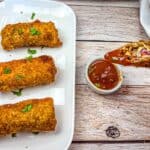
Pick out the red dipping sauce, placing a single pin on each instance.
(103, 74)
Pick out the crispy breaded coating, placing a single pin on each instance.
(32, 115)
(19, 74)
(30, 34)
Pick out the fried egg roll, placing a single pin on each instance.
(35, 33)
(19, 74)
(34, 115)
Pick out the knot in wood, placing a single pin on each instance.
(112, 132)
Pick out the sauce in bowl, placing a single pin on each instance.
(103, 74)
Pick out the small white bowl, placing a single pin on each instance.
(103, 91)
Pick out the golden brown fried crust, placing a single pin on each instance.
(26, 73)
(21, 35)
(41, 117)
(131, 54)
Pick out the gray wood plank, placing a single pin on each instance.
(108, 23)
(99, 146)
(90, 50)
(128, 110)
(118, 3)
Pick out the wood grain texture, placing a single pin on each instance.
(101, 27)
(128, 110)
(90, 50)
(115, 3)
(108, 23)
(99, 146)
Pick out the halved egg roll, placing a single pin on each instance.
(34, 115)
(35, 33)
(22, 73)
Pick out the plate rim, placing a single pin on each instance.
(67, 145)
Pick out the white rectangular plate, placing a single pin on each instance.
(62, 90)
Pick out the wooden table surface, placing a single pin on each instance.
(101, 27)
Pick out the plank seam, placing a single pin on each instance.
(137, 7)
(102, 41)
(126, 85)
(113, 142)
